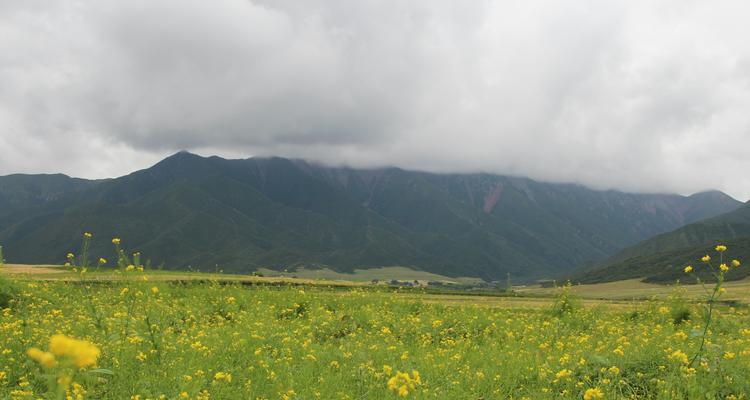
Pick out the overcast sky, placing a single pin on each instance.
(632, 95)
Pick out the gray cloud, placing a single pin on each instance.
(634, 95)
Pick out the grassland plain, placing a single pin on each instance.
(137, 337)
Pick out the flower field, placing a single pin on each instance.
(135, 338)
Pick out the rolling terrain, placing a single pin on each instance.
(663, 257)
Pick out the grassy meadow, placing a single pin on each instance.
(124, 332)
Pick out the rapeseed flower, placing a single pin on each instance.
(80, 352)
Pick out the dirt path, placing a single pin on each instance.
(30, 269)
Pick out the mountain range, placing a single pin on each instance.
(189, 211)
(662, 258)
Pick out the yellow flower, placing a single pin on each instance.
(723, 267)
(87, 235)
(80, 352)
(735, 263)
(46, 359)
(721, 248)
(688, 269)
(222, 376)
(679, 356)
(115, 241)
(154, 290)
(706, 258)
(402, 382)
(593, 393)
(102, 261)
(564, 373)
(70, 255)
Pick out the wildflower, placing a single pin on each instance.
(155, 290)
(723, 267)
(80, 352)
(735, 263)
(679, 356)
(70, 256)
(688, 269)
(222, 377)
(116, 241)
(46, 359)
(102, 261)
(593, 393)
(402, 382)
(706, 258)
(130, 267)
(564, 373)
(87, 235)
(721, 248)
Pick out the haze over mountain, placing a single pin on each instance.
(663, 257)
(189, 211)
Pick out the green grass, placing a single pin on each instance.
(314, 342)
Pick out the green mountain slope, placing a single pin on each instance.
(19, 191)
(237, 215)
(662, 258)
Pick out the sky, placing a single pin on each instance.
(646, 96)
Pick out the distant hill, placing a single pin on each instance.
(19, 191)
(662, 258)
(189, 211)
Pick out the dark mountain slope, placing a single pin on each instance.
(237, 215)
(662, 258)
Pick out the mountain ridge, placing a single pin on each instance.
(189, 211)
(662, 257)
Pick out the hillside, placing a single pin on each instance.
(22, 191)
(662, 258)
(238, 215)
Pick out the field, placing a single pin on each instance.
(127, 333)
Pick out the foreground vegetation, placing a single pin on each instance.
(139, 338)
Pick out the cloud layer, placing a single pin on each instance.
(633, 95)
